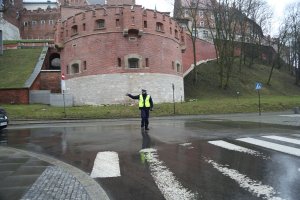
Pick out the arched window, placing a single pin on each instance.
(178, 67)
(133, 63)
(159, 27)
(74, 68)
(54, 60)
(147, 62)
(119, 62)
(100, 24)
(176, 34)
(84, 65)
(74, 30)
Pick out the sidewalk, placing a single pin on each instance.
(30, 176)
(26, 175)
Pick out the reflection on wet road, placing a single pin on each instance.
(176, 159)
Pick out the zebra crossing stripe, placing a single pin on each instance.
(273, 146)
(284, 139)
(253, 186)
(233, 147)
(106, 165)
(165, 179)
(293, 115)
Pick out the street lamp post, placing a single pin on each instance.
(173, 87)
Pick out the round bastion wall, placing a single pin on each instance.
(132, 49)
(111, 88)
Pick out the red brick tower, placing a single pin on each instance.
(110, 50)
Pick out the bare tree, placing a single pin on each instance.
(244, 7)
(293, 21)
(224, 31)
(281, 42)
(187, 13)
(260, 16)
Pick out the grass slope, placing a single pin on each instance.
(207, 86)
(16, 66)
(283, 94)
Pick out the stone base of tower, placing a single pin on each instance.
(112, 88)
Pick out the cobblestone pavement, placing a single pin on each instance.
(56, 183)
(30, 176)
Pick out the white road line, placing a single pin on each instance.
(188, 145)
(253, 186)
(293, 115)
(233, 147)
(106, 165)
(185, 144)
(270, 145)
(297, 135)
(165, 179)
(284, 139)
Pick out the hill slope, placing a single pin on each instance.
(207, 86)
(16, 66)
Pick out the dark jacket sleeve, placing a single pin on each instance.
(134, 97)
(151, 102)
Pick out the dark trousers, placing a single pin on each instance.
(145, 117)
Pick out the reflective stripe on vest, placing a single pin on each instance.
(147, 101)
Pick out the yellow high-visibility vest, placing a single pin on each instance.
(147, 101)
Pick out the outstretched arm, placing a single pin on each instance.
(133, 96)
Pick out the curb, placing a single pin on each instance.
(94, 190)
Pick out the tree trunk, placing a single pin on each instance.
(195, 76)
(271, 72)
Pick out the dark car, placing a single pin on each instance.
(3, 119)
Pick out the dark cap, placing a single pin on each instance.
(143, 90)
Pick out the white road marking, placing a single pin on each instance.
(253, 186)
(284, 139)
(273, 146)
(294, 115)
(185, 144)
(165, 179)
(188, 145)
(233, 147)
(297, 135)
(106, 165)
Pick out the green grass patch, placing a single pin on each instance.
(16, 66)
(207, 86)
(25, 41)
(197, 107)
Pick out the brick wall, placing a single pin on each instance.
(204, 51)
(14, 96)
(100, 49)
(50, 80)
(38, 24)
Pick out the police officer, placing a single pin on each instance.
(145, 104)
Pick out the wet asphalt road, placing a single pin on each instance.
(178, 160)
